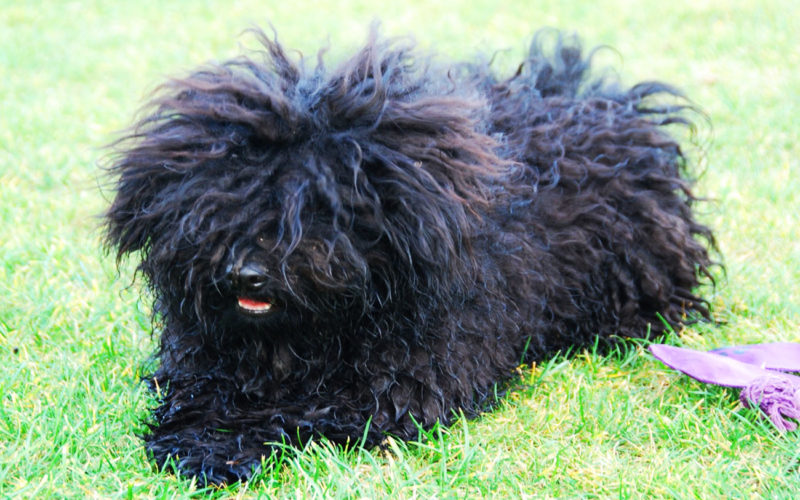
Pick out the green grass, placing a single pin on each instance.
(74, 336)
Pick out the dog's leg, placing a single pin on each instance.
(209, 429)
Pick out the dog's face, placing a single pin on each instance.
(256, 240)
(259, 194)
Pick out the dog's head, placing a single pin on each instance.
(274, 192)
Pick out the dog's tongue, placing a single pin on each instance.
(254, 305)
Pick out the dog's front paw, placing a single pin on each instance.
(213, 457)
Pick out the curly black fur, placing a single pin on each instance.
(405, 234)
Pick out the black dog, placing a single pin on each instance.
(344, 252)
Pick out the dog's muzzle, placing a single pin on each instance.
(249, 282)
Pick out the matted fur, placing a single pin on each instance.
(418, 230)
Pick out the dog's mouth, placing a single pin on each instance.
(254, 307)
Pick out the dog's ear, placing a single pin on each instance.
(221, 116)
(136, 214)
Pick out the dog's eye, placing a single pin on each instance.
(261, 241)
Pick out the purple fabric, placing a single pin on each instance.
(776, 393)
(712, 368)
(777, 397)
(783, 356)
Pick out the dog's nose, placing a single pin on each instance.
(249, 277)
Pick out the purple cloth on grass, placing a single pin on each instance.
(775, 356)
(775, 392)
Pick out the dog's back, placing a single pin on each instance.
(603, 198)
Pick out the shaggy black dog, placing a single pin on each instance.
(346, 252)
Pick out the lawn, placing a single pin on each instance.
(75, 335)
